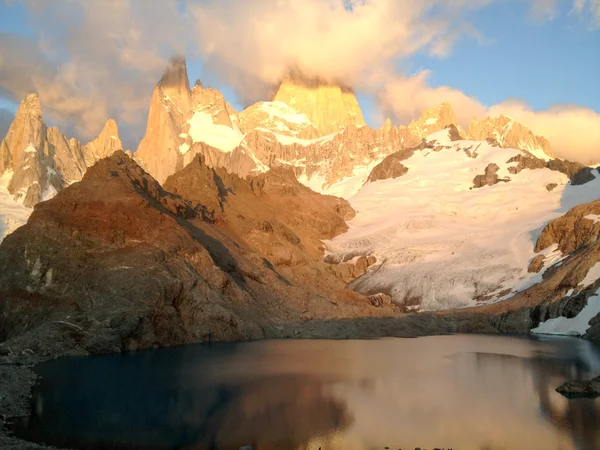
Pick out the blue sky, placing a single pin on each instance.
(539, 62)
(553, 62)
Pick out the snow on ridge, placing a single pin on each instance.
(30, 149)
(439, 239)
(291, 140)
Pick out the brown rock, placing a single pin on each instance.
(551, 186)
(577, 173)
(536, 264)
(580, 388)
(489, 178)
(571, 230)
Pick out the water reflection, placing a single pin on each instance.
(463, 392)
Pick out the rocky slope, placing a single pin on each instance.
(116, 262)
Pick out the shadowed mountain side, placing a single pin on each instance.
(272, 213)
(116, 262)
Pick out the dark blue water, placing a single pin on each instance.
(459, 392)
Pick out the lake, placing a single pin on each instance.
(460, 392)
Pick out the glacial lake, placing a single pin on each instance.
(461, 392)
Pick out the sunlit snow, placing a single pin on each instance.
(438, 239)
(285, 112)
(222, 137)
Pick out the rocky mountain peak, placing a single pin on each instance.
(41, 160)
(175, 75)
(31, 105)
(104, 145)
(435, 119)
(330, 107)
(511, 134)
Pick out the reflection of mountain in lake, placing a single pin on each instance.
(494, 393)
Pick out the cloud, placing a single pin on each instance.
(263, 39)
(404, 98)
(91, 60)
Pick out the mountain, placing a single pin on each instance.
(451, 221)
(135, 266)
(510, 134)
(183, 122)
(329, 107)
(37, 161)
(314, 128)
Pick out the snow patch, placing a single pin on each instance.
(183, 148)
(222, 137)
(593, 217)
(285, 112)
(575, 326)
(592, 275)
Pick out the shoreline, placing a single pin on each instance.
(18, 377)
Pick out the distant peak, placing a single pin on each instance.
(175, 75)
(330, 107)
(31, 105)
(110, 127)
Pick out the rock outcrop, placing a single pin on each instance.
(489, 178)
(579, 226)
(577, 172)
(580, 388)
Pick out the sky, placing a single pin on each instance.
(535, 60)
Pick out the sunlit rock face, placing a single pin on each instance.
(329, 107)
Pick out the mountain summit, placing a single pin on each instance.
(329, 107)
